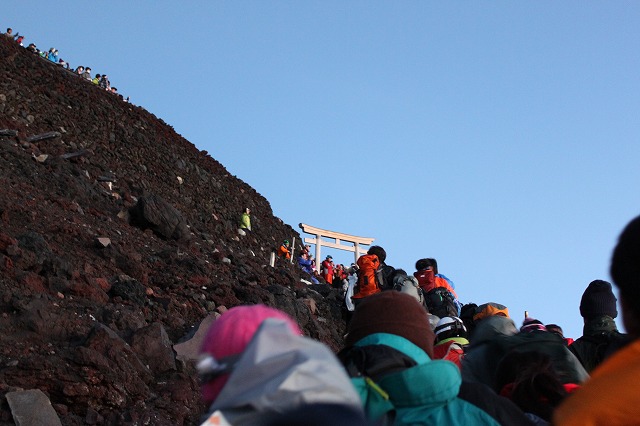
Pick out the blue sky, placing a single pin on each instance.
(501, 138)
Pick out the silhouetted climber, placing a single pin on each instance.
(600, 335)
(611, 397)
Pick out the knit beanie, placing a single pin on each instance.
(531, 324)
(231, 333)
(394, 313)
(598, 299)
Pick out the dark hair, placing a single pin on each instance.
(397, 273)
(434, 264)
(422, 264)
(535, 386)
(625, 266)
(466, 315)
(378, 251)
(555, 328)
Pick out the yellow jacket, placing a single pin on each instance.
(611, 397)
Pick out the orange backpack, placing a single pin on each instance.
(368, 281)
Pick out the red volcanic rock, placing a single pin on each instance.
(82, 317)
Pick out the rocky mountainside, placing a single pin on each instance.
(117, 238)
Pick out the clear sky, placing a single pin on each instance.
(501, 138)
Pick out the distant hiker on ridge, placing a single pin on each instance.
(283, 251)
(245, 220)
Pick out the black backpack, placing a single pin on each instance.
(441, 303)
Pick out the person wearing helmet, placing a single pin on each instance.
(451, 339)
(284, 251)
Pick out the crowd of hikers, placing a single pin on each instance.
(52, 55)
(413, 355)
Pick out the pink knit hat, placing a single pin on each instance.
(231, 333)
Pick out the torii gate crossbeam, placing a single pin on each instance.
(338, 237)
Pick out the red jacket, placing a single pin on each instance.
(451, 349)
(327, 268)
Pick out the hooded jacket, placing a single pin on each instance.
(491, 342)
(600, 338)
(402, 383)
(245, 221)
(279, 372)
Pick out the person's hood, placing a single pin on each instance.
(278, 372)
(490, 327)
(411, 388)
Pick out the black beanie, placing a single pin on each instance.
(598, 299)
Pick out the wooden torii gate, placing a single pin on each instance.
(338, 237)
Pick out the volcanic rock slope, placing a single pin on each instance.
(117, 237)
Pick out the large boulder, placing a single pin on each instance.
(152, 212)
(154, 348)
(32, 407)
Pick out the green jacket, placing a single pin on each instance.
(245, 221)
(425, 394)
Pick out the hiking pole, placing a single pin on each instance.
(293, 247)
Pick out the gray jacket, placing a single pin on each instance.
(279, 372)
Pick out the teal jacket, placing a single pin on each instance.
(425, 394)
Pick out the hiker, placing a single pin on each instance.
(87, 74)
(479, 350)
(53, 55)
(436, 286)
(327, 269)
(610, 397)
(96, 79)
(403, 283)
(490, 309)
(349, 307)
(305, 263)
(530, 381)
(283, 251)
(530, 324)
(496, 335)
(340, 277)
(9, 33)
(256, 364)
(555, 328)
(467, 312)
(386, 270)
(451, 340)
(389, 359)
(245, 220)
(104, 82)
(600, 335)
(79, 70)
(374, 275)
(429, 278)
